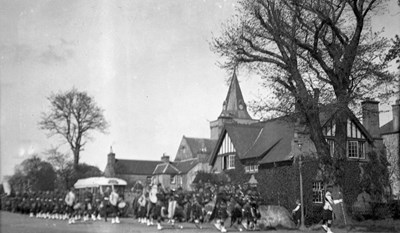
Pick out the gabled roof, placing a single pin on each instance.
(185, 166)
(242, 137)
(270, 141)
(135, 167)
(327, 115)
(200, 145)
(166, 168)
(234, 105)
(273, 142)
(388, 128)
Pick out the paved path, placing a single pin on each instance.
(17, 223)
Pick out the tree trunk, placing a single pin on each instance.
(76, 159)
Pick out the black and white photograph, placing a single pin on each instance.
(140, 116)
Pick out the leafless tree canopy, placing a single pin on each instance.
(311, 53)
(73, 115)
(300, 46)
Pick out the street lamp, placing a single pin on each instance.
(302, 226)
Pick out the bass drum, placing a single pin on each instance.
(153, 194)
(122, 205)
(123, 208)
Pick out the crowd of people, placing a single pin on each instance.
(59, 205)
(151, 205)
(154, 205)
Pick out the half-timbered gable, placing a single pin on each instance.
(232, 145)
(359, 141)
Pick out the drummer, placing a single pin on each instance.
(114, 206)
(70, 200)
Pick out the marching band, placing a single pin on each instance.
(152, 205)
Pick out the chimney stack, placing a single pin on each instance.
(370, 115)
(396, 113)
(165, 158)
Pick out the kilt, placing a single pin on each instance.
(327, 215)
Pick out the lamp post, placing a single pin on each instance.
(302, 226)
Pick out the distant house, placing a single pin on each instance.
(131, 171)
(173, 175)
(390, 133)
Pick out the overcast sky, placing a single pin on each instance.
(146, 63)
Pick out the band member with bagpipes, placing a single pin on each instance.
(142, 206)
(221, 213)
(159, 210)
(197, 210)
(171, 207)
(296, 213)
(327, 214)
(114, 197)
(88, 198)
(235, 211)
(105, 204)
(97, 204)
(70, 199)
(151, 204)
(32, 201)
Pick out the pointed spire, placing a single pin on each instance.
(234, 105)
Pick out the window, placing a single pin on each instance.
(255, 168)
(331, 147)
(251, 169)
(179, 180)
(318, 192)
(224, 161)
(356, 150)
(231, 162)
(176, 180)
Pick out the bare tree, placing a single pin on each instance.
(311, 52)
(73, 115)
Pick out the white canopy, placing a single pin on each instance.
(98, 181)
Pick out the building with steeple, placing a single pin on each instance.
(193, 154)
(234, 110)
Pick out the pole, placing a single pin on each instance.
(302, 226)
